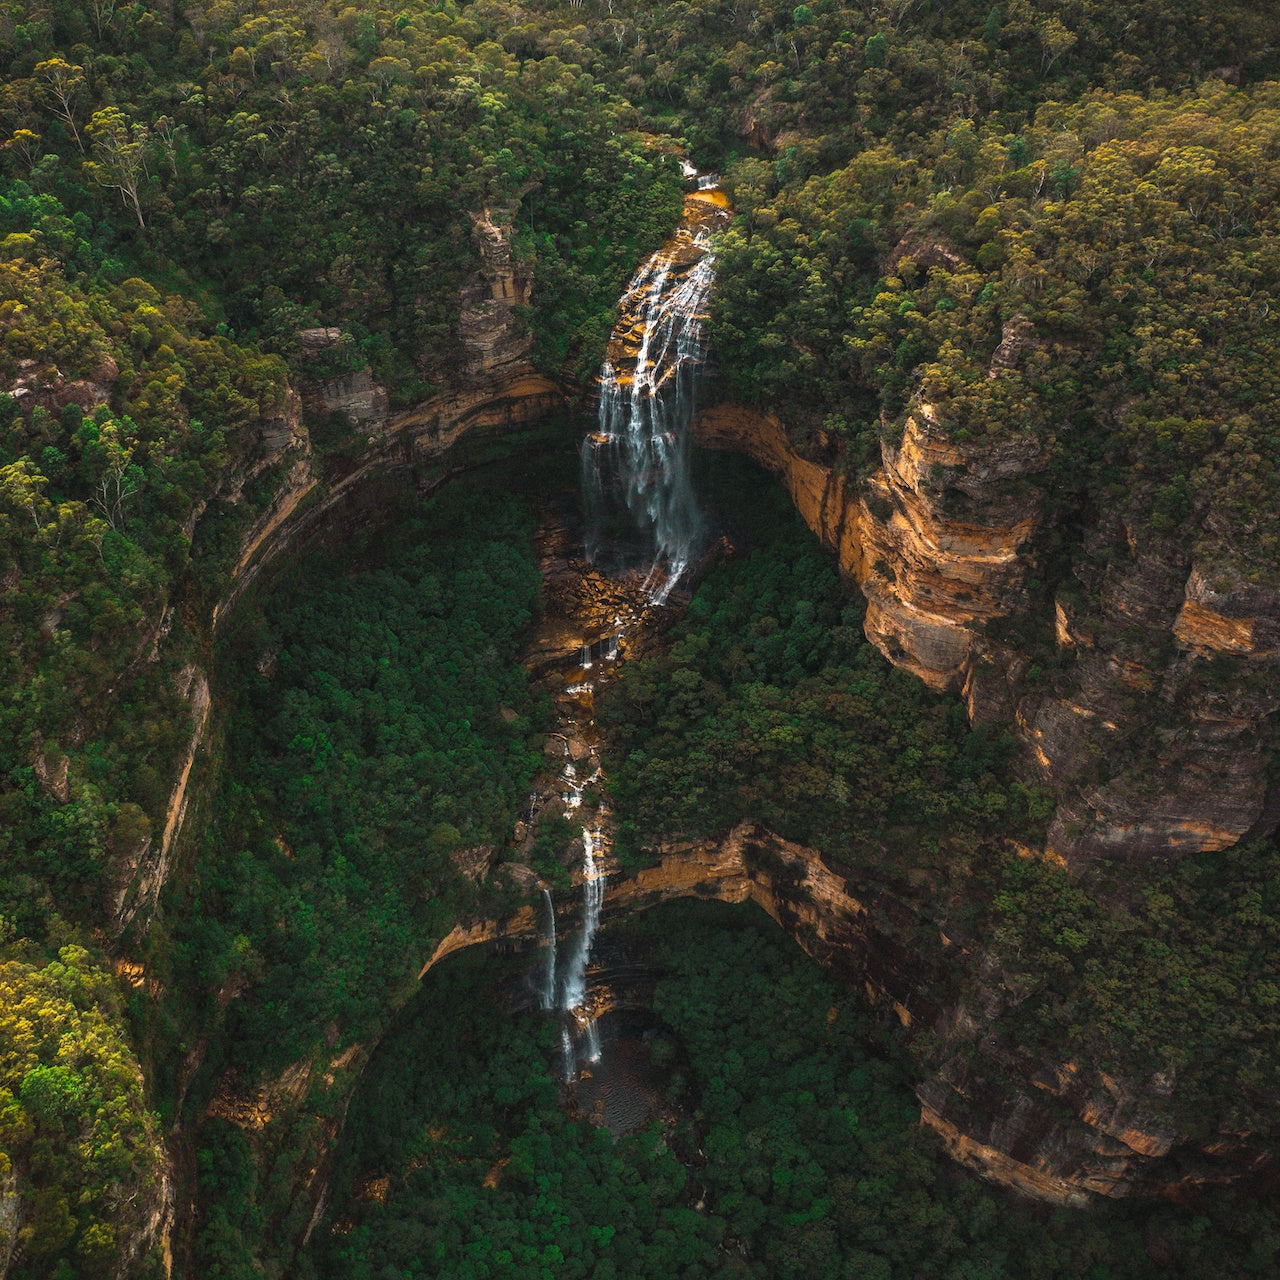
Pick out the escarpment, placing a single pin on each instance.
(943, 524)
(1050, 1128)
(932, 536)
(1056, 1130)
(1158, 734)
(1152, 731)
(500, 390)
(497, 389)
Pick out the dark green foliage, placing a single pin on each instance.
(184, 187)
(96, 502)
(487, 1176)
(770, 706)
(1169, 970)
(370, 751)
(799, 1142)
(306, 165)
(75, 1131)
(553, 837)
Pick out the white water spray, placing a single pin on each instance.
(549, 973)
(638, 456)
(641, 509)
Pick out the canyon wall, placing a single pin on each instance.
(1051, 1129)
(938, 538)
(1151, 715)
(1054, 1130)
(498, 391)
(941, 538)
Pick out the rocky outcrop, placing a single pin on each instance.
(942, 527)
(493, 335)
(304, 500)
(1224, 615)
(1053, 1130)
(823, 497)
(1151, 745)
(10, 1218)
(47, 387)
(1158, 733)
(139, 878)
(932, 537)
(352, 392)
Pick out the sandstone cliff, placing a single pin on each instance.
(1054, 1130)
(1057, 1131)
(493, 335)
(498, 391)
(1153, 732)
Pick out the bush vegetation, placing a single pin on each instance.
(797, 1150)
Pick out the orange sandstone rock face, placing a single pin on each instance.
(939, 538)
(942, 528)
(518, 396)
(1172, 684)
(493, 336)
(1053, 1131)
(822, 497)
(1227, 617)
(1040, 1183)
(933, 538)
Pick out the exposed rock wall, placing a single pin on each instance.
(824, 498)
(140, 878)
(932, 537)
(304, 500)
(493, 335)
(354, 393)
(942, 528)
(10, 1218)
(1157, 734)
(1156, 731)
(1052, 1130)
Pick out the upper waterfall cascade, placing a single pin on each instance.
(637, 458)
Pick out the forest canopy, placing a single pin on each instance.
(920, 188)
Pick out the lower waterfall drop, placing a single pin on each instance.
(574, 998)
(549, 973)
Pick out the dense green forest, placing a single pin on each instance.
(185, 187)
(793, 1148)
(383, 726)
(767, 705)
(182, 190)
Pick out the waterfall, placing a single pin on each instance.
(549, 974)
(567, 992)
(638, 456)
(574, 992)
(575, 979)
(641, 512)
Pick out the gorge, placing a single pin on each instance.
(316, 676)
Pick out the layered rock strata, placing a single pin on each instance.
(932, 537)
(1052, 1130)
(1155, 732)
(488, 320)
